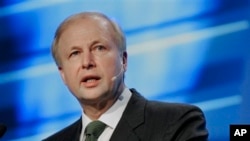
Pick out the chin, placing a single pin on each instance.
(89, 95)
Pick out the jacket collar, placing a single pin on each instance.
(132, 118)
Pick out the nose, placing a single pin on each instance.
(88, 60)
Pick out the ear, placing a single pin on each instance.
(125, 60)
(62, 75)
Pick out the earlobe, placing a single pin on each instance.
(62, 75)
(124, 60)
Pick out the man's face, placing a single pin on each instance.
(90, 59)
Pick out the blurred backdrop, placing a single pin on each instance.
(190, 51)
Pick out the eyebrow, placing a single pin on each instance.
(79, 47)
(94, 42)
(74, 48)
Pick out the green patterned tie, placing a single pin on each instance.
(94, 130)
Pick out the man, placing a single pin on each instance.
(90, 52)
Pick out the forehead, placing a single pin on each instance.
(89, 24)
(86, 28)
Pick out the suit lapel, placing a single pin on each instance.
(132, 119)
(74, 134)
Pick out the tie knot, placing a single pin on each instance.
(94, 129)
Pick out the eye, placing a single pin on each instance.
(99, 50)
(74, 53)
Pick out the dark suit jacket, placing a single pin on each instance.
(145, 120)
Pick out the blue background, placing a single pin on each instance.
(189, 51)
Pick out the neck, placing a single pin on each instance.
(95, 109)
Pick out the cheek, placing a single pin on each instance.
(110, 67)
(70, 73)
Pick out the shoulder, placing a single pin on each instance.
(173, 109)
(176, 121)
(66, 133)
(165, 109)
(180, 121)
(175, 114)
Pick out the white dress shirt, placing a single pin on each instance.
(111, 117)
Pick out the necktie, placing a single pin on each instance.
(94, 130)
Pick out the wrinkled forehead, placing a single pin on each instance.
(88, 24)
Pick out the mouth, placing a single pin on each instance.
(90, 81)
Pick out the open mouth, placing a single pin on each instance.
(90, 81)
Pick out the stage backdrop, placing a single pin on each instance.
(189, 51)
